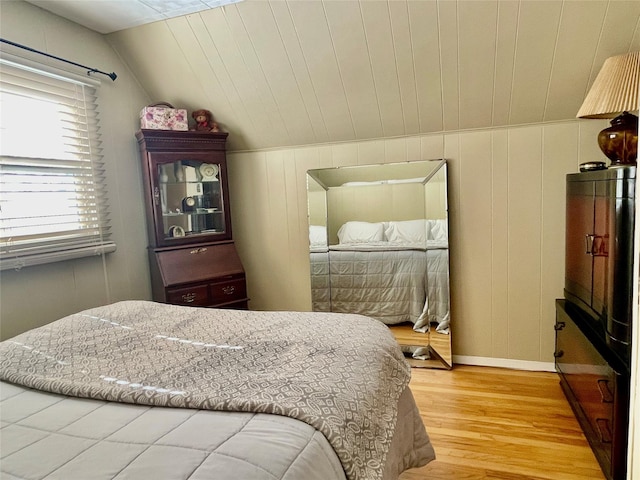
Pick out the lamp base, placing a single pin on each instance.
(619, 142)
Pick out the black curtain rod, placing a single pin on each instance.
(111, 75)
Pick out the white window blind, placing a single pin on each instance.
(53, 203)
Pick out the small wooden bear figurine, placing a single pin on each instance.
(204, 121)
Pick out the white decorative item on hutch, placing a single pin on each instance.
(192, 257)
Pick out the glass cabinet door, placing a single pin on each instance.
(190, 198)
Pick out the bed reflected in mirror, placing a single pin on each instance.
(379, 246)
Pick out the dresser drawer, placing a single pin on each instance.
(232, 290)
(197, 295)
(590, 378)
(597, 393)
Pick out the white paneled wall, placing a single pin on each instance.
(507, 195)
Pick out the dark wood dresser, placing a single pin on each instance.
(594, 323)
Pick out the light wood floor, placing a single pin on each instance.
(492, 423)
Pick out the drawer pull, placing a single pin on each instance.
(597, 245)
(589, 238)
(558, 354)
(559, 326)
(189, 297)
(228, 290)
(198, 250)
(603, 430)
(605, 392)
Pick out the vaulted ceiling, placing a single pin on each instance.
(279, 73)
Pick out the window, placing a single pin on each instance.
(52, 196)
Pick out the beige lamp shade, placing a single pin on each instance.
(615, 89)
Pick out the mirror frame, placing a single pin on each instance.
(433, 349)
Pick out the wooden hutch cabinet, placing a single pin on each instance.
(192, 257)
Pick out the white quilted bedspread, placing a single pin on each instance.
(389, 285)
(50, 436)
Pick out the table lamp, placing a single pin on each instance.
(613, 95)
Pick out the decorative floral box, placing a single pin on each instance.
(164, 117)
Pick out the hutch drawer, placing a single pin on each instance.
(193, 296)
(231, 290)
(198, 263)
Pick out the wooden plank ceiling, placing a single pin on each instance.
(281, 73)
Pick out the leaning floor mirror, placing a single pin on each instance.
(379, 246)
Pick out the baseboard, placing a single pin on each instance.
(504, 363)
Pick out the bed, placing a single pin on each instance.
(145, 390)
(395, 272)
